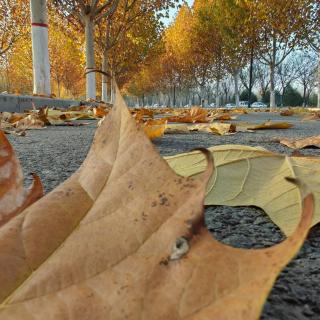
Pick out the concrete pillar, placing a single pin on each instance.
(40, 52)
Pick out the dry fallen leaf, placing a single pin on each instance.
(198, 113)
(123, 238)
(287, 113)
(239, 111)
(222, 128)
(154, 128)
(312, 116)
(223, 117)
(175, 128)
(16, 117)
(13, 197)
(301, 143)
(29, 122)
(271, 125)
(193, 115)
(122, 179)
(215, 127)
(100, 112)
(248, 176)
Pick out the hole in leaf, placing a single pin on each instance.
(242, 227)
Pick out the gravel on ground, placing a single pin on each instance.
(54, 153)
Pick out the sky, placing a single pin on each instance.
(173, 12)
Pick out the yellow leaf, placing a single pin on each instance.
(247, 176)
(154, 128)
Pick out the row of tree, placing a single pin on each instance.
(205, 47)
(112, 37)
(296, 76)
(217, 38)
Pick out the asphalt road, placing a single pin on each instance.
(56, 152)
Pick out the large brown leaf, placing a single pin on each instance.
(123, 238)
(13, 197)
(113, 209)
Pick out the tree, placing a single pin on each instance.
(306, 73)
(131, 25)
(247, 73)
(226, 88)
(237, 28)
(209, 42)
(280, 25)
(13, 23)
(262, 78)
(267, 95)
(244, 96)
(187, 68)
(20, 67)
(312, 35)
(135, 48)
(67, 61)
(86, 14)
(287, 72)
(292, 97)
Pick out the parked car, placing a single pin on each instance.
(230, 105)
(244, 104)
(259, 105)
(212, 105)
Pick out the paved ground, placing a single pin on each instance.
(56, 152)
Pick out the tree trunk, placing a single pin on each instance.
(217, 93)
(304, 96)
(272, 90)
(272, 71)
(236, 88)
(112, 88)
(90, 77)
(318, 104)
(174, 95)
(104, 68)
(250, 77)
(282, 96)
(40, 52)
(58, 83)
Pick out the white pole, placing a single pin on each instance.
(104, 89)
(40, 52)
(90, 65)
(318, 104)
